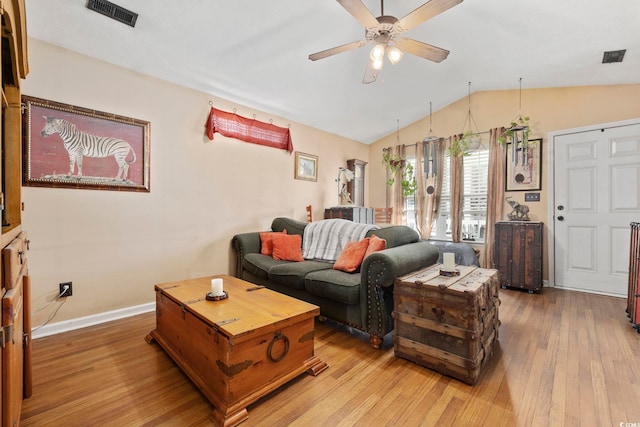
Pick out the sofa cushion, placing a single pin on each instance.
(259, 265)
(292, 274)
(334, 285)
(287, 247)
(396, 235)
(375, 244)
(266, 241)
(352, 255)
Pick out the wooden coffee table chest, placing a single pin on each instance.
(238, 349)
(449, 324)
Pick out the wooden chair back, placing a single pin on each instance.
(309, 213)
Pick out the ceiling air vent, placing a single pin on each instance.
(113, 11)
(613, 56)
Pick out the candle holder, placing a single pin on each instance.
(211, 297)
(449, 273)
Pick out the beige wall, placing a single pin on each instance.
(114, 246)
(550, 110)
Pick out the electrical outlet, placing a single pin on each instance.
(66, 289)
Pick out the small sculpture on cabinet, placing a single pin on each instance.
(519, 211)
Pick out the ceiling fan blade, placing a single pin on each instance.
(336, 50)
(424, 12)
(370, 74)
(422, 50)
(358, 10)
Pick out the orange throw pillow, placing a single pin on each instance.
(287, 247)
(375, 244)
(351, 256)
(266, 241)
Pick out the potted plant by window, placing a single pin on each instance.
(395, 164)
(460, 147)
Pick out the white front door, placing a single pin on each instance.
(596, 197)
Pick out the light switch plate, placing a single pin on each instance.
(531, 197)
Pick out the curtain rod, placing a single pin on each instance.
(416, 143)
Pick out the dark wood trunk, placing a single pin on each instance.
(448, 324)
(633, 302)
(518, 254)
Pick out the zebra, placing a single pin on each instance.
(79, 144)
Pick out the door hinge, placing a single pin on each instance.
(6, 334)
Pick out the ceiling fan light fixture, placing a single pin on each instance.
(377, 53)
(394, 54)
(377, 63)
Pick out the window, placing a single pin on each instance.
(474, 210)
(476, 175)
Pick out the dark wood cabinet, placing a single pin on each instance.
(633, 295)
(15, 310)
(355, 187)
(352, 213)
(518, 254)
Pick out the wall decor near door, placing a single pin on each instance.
(73, 147)
(524, 173)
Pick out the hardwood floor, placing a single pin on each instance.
(564, 358)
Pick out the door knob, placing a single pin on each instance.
(560, 207)
(560, 218)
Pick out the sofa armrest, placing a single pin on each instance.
(384, 267)
(245, 243)
(378, 273)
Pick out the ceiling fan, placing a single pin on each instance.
(383, 32)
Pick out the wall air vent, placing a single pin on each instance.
(613, 56)
(113, 11)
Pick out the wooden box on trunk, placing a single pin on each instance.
(449, 324)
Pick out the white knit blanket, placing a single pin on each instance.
(325, 239)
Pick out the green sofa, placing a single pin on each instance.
(363, 300)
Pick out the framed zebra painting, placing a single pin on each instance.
(74, 147)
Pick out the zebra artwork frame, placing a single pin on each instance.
(65, 146)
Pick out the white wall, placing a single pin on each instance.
(114, 246)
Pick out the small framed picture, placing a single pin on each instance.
(306, 167)
(524, 172)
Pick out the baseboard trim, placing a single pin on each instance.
(95, 319)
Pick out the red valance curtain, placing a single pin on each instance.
(249, 130)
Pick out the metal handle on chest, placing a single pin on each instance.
(277, 337)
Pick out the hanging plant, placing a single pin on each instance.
(409, 183)
(395, 164)
(460, 147)
(520, 125)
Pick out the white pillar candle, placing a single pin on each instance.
(216, 287)
(449, 261)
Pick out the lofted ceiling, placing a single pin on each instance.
(255, 53)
